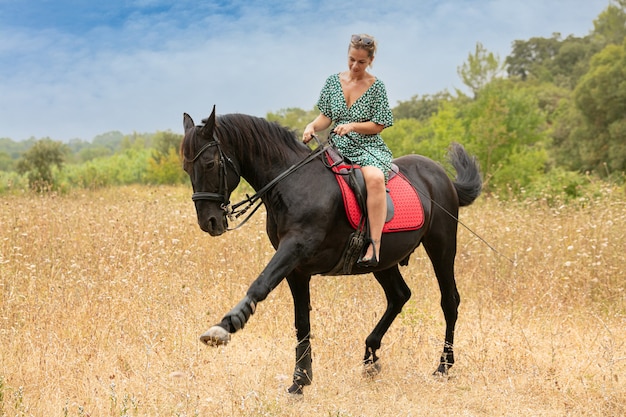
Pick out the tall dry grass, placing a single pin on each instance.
(104, 294)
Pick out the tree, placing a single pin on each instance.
(421, 108)
(6, 163)
(406, 135)
(93, 152)
(505, 130)
(601, 98)
(480, 69)
(38, 163)
(111, 140)
(528, 57)
(165, 165)
(294, 118)
(163, 142)
(610, 25)
(571, 62)
(563, 121)
(550, 60)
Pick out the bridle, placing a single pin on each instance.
(222, 195)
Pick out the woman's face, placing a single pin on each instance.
(358, 60)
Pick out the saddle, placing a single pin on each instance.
(404, 208)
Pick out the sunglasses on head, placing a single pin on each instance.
(362, 39)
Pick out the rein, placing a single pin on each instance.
(234, 211)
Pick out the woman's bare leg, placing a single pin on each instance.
(376, 207)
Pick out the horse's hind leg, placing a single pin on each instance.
(442, 251)
(300, 290)
(397, 294)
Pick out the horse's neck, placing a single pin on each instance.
(260, 173)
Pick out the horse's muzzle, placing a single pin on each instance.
(212, 218)
(215, 226)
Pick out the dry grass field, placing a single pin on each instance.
(103, 295)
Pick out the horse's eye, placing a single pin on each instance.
(209, 165)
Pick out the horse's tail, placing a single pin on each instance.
(468, 182)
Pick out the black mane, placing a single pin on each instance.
(250, 134)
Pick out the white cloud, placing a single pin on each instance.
(143, 73)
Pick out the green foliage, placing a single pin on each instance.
(136, 141)
(12, 181)
(480, 69)
(405, 135)
(550, 60)
(123, 168)
(38, 164)
(505, 132)
(90, 175)
(565, 120)
(610, 25)
(93, 152)
(431, 137)
(294, 118)
(529, 57)
(110, 140)
(165, 165)
(421, 108)
(16, 149)
(517, 171)
(6, 162)
(601, 98)
(163, 143)
(562, 187)
(167, 169)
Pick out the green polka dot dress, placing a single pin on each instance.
(373, 105)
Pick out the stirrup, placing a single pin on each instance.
(368, 262)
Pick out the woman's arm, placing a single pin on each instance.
(321, 122)
(364, 128)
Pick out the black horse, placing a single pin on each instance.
(308, 227)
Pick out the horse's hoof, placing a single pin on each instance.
(442, 370)
(215, 336)
(295, 390)
(371, 369)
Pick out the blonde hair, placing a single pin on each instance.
(363, 41)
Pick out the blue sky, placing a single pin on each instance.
(77, 69)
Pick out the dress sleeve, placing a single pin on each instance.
(324, 102)
(382, 114)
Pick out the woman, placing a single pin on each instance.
(355, 103)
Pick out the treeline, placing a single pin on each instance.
(548, 121)
(111, 159)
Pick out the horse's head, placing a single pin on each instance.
(213, 174)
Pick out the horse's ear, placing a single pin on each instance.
(188, 122)
(209, 124)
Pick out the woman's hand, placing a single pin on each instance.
(344, 129)
(320, 123)
(308, 133)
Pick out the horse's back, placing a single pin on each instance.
(423, 172)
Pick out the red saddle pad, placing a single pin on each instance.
(408, 210)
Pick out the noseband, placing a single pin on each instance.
(222, 195)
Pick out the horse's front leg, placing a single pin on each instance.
(300, 290)
(285, 259)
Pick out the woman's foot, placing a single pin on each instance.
(370, 259)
